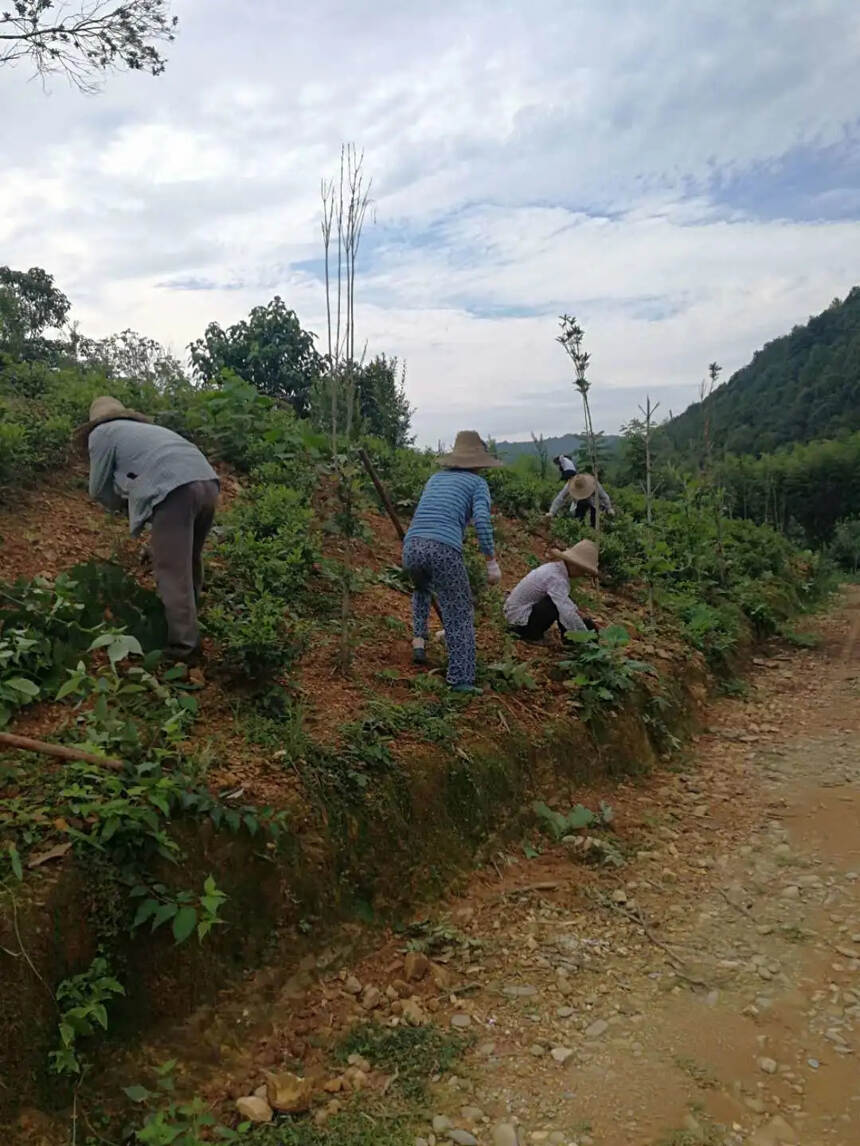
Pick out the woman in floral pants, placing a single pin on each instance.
(433, 554)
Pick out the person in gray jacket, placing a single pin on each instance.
(163, 479)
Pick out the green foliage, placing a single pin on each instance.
(269, 349)
(403, 472)
(715, 630)
(171, 1122)
(845, 547)
(559, 824)
(186, 912)
(347, 1129)
(30, 304)
(601, 672)
(82, 1001)
(261, 567)
(798, 388)
(413, 1054)
(519, 491)
(381, 408)
(510, 675)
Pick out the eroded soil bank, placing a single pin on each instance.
(708, 991)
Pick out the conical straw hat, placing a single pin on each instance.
(581, 559)
(469, 453)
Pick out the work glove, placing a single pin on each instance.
(494, 573)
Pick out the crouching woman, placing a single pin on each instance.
(543, 599)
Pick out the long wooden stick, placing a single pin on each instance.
(63, 751)
(386, 501)
(382, 491)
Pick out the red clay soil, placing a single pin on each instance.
(55, 526)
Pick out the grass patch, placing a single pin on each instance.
(700, 1074)
(352, 1128)
(798, 639)
(707, 1133)
(414, 1054)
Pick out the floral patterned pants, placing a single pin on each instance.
(436, 567)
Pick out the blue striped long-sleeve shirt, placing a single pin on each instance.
(450, 501)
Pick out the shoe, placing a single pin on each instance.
(419, 656)
(471, 689)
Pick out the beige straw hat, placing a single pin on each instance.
(105, 409)
(581, 559)
(582, 487)
(469, 453)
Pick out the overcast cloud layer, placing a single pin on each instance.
(683, 176)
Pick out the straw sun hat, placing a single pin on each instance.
(469, 453)
(106, 409)
(580, 559)
(582, 486)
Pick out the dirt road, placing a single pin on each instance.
(708, 990)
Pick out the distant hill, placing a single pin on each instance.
(798, 388)
(568, 444)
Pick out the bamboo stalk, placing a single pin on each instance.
(27, 744)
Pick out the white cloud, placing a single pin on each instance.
(526, 159)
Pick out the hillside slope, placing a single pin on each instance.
(798, 388)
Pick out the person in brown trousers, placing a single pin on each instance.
(166, 480)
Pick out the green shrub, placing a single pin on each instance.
(601, 673)
(845, 549)
(262, 564)
(519, 492)
(715, 630)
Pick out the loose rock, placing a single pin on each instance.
(254, 1109)
(562, 1054)
(505, 1135)
(596, 1029)
(461, 1021)
(415, 966)
(463, 1138)
(768, 1065)
(371, 999)
(289, 1094)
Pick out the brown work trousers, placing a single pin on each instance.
(180, 525)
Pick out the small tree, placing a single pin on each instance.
(542, 451)
(98, 37)
(571, 338)
(648, 413)
(345, 203)
(269, 349)
(30, 304)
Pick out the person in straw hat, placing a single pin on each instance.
(433, 553)
(579, 491)
(543, 598)
(163, 479)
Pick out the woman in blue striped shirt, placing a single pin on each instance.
(433, 553)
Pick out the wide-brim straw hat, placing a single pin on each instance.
(469, 453)
(581, 559)
(582, 486)
(105, 409)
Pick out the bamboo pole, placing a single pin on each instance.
(27, 744)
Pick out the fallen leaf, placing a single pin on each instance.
(51, 854)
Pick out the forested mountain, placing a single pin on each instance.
(569, 444)
(798, 388)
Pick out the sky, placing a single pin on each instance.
(682, 176)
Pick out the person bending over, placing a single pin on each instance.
(579, 491)
(163, 479)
